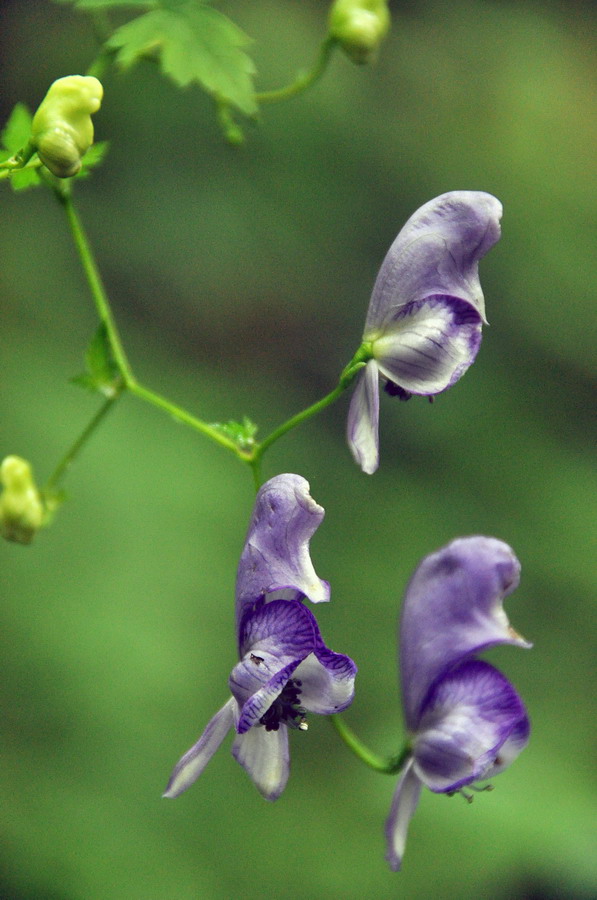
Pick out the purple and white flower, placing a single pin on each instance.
(285, 670)
(465, 720)
(423, 327)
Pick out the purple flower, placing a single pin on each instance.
(285, 669)
(465, 720)
(423, 327)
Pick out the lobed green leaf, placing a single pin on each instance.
(194, 43)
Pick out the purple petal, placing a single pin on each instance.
(274, 640)
(404, 804)
(469, 716)
(327, 681)
(453, 609)
(264, 755)
(192, 764)
(363, 419)
(276, 552)
(429, 345)
(437, 252)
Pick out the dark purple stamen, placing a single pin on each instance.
(394, 390)
(285, 708)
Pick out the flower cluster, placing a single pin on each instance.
(465, 721)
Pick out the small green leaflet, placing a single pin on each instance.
(93, 158)
(101, 371)
(242, 433)
(15, 135)
(194, 43)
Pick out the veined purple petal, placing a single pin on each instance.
(452, 610)
(282, 641)
(276, 552)
(404, 804)
(363, 419)
(437, 252)
(285, 628)
(327, 681)
(429, 345)
(467, 719)
(273, 641)
(192, 764)
(264, 755)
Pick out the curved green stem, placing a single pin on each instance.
(72, 453)
(304, 79)
(387, 765)
(298, 419)
(181, 415)
(104, 311)
(98, 292)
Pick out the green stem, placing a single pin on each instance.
(346, 378)
(181, 415)
(70, 456)
(104, 311)
(298, 419)
(304, 80)
(387, 765)
(98, 292)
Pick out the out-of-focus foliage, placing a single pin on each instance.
(240, 279)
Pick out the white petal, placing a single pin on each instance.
(404, 804)
(192, 764)
(264, 755)
(363, 419)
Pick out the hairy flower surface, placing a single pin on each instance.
(284, 669)
(423, 327)
(465, 720)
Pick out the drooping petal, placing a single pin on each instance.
(437, 252)
(264, 755)
(276, 552)
(363, 419)
(327, 681)
(192, 764)
(430, 344)
(453, 609)
(469, 717)
(404, 804)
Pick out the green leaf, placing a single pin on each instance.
(101, 373)
(21, 179)
(194, 43)
(93, 158)
(17, 130)
(15, 135)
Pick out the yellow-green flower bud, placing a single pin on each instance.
(21, 507)
(62, 130)
(359, 26)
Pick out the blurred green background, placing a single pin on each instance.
(240, 280)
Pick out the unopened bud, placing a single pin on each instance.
(359, 26)
(62, 130)
(21, 507)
